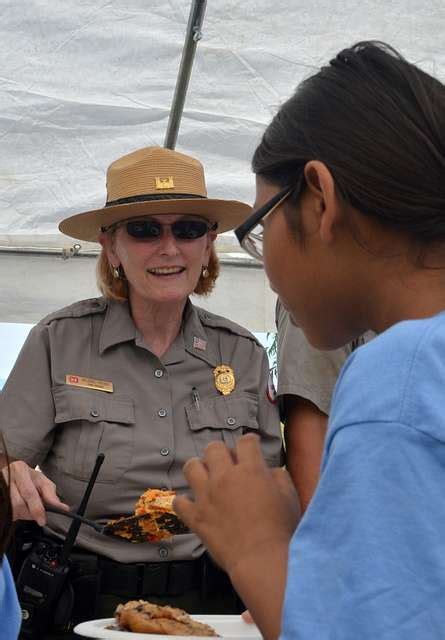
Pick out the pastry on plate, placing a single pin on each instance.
(140, 616)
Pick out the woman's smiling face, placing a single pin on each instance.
(161, 270)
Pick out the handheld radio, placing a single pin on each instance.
(45, 595)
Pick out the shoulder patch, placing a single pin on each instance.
(209, 319)
(77, 310)
(271, 392)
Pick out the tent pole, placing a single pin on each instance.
(193, 35)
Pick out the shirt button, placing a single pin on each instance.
(94, 413)
(231, 421)
(163, 552)
(158, 373)
(164, 451)
(162, 413)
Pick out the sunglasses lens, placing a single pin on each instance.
(189, 229)
(152, 230)
(144, 229)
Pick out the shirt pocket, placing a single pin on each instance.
(224, 418)
(89, 423)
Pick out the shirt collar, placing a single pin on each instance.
(119, 327)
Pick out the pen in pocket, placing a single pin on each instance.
(195, 397)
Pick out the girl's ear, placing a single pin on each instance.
(321, 186)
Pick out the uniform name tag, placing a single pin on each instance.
(89, 383)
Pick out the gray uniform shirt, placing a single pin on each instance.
(150, 424)
(303, 370)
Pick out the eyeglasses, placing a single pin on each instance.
(146, 229)
(250, 233)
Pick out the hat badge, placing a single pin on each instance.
(164, 183)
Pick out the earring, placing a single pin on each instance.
(205, 272)
(116, 272)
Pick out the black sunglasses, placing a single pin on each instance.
(146, 229)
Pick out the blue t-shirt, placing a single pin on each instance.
(10, 616)
(367, 561)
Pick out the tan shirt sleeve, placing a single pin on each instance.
(26, 402)
(302, 370)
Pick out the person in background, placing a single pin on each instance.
(10, 615)
(143, 376)
(350, 221)
(306, 381)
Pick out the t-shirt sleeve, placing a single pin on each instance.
(367, 560)
(26, 402)
(302, 370)
(10, 614)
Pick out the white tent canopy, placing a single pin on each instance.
(87, 81)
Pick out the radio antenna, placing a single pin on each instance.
(75, 525)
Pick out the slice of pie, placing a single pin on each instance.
(154, 519)
(161, 521)
(140, 616)
(155, 501)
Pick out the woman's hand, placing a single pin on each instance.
(240, 504)
(30, 491)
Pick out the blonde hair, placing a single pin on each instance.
(117, 288)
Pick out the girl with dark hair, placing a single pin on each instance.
(9, 606)
(350, 221)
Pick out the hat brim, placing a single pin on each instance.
(88, 226)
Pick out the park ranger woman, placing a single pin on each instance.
(141, 375)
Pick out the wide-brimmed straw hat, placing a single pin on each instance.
(155, 181)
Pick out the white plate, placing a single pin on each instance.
(232, 627)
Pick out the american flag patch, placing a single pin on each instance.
(199, 343)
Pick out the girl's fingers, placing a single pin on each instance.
(185, 509)
(196, 475)
(217, 457)
(248, 450)
(247, 617)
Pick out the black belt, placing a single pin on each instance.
(152, 578)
